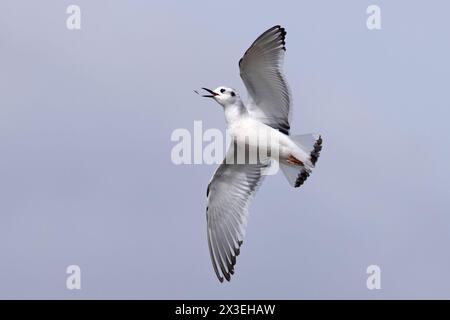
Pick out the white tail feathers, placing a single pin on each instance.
(311, 144)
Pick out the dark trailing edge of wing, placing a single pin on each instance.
(285, 129)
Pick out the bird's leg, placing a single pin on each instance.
(293, 160)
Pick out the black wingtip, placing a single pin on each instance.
(314, 155)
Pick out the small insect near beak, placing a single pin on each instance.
(212, 95)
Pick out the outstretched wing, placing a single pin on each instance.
(261, 71)
(229, 194)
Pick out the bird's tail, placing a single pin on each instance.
(311, 144)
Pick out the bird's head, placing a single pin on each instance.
(223, 95)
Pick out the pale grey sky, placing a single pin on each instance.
(85, 170)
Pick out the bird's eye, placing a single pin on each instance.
(222, 90)
(232, 93)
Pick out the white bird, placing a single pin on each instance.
(267, 112)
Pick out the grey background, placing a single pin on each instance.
(86, 176)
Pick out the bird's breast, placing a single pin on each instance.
(258, 137)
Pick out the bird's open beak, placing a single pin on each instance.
(212, 95)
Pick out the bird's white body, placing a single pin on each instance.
(259, 137)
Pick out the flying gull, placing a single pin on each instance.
(267, 113)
